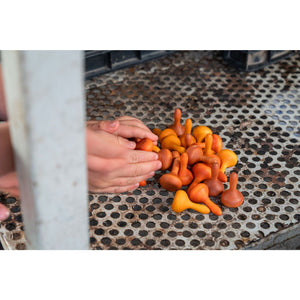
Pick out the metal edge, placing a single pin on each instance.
(276, 238)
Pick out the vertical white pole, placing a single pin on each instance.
(45, 101)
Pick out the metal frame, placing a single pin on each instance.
(46, 115)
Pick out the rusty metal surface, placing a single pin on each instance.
(257, 115)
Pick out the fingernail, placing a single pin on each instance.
(112, 124)
(151, 174)
(135, 186)
(158, 164)
(155, 156)
(131, 144)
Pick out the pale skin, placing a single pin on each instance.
(115, 168)
(118, 167)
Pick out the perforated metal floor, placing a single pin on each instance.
(257, 115)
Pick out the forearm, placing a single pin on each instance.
(3, 114)
(6, 152)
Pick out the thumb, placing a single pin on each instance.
(4, 212)
(108, 126)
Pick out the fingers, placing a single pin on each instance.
(108, 126)
(101, 184)
(113, 164)
(125, 127)
(135, 170)
(143, 163)
(111, 126)
(133, 122)
(104, 166)
(104, 158)
(137, 156)
(4, 212)
(128, 131)
(113, 189)
(106, 145)
(126, 120)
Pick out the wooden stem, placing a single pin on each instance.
(233, 179)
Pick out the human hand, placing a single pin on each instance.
(8, 184)
(109, 165)
(8, 177)
(4, 212)
(126, 127)
(113, 164)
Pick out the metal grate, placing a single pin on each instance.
(256, 114)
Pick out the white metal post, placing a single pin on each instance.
(45, 100)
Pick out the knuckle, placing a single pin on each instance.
(119, 140)
(114, 190)
(151, 167)
(105, 167)
(93, 124)
(101, 124)
(134, 157)
(121, 182)
(127, 181)
(118, 190)
(135, 171)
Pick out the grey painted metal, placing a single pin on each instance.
(288, 238)
(45, 95)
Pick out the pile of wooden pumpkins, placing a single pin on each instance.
(196, 160)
